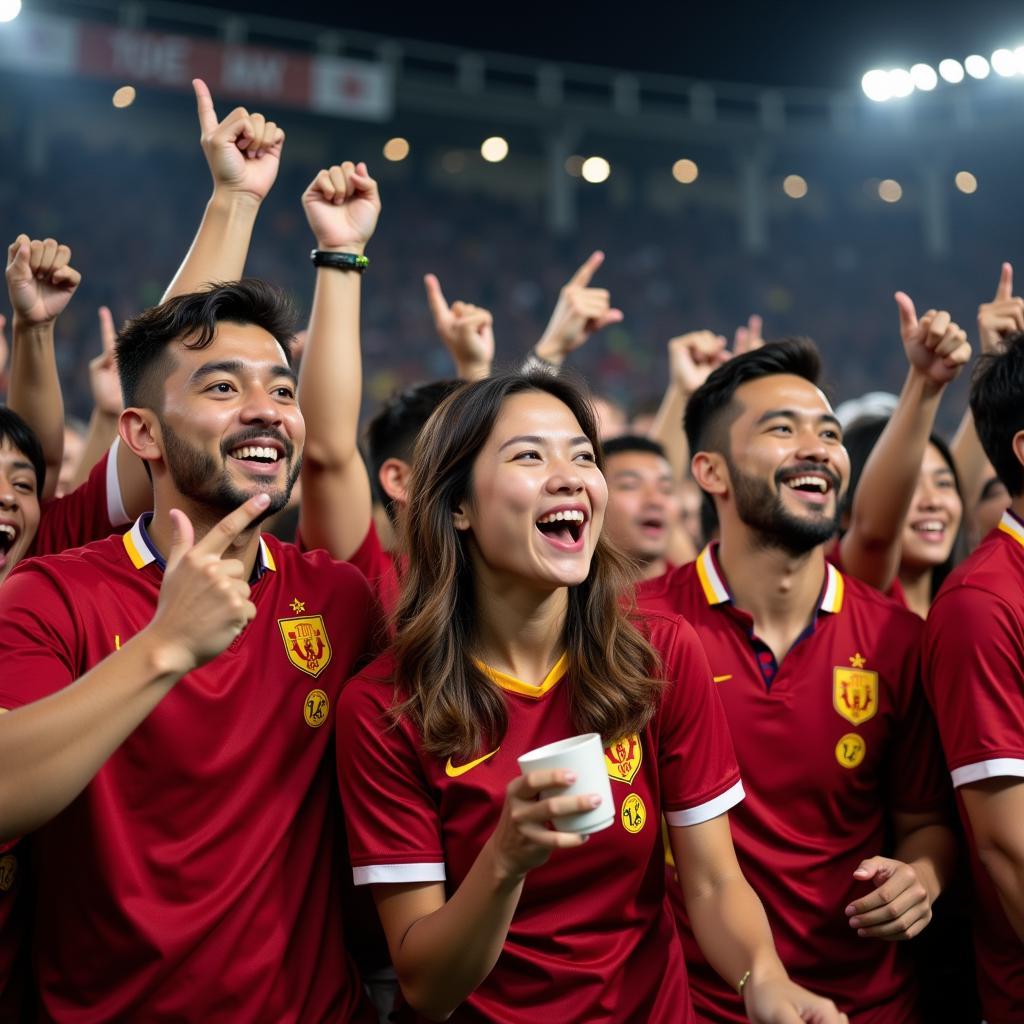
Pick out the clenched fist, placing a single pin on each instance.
(40, 279)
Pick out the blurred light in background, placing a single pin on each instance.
(574, 165)
(901, 82)
(1004, 63)
(876, 85)
(9, 9)
(396, 149)
(595, 169)
(966, 182)
(976, 66)
(685, 172)
(952, 71)
(924, 77)
(794, 186)
(454, 162)
(494, 149)
(124, 97)
(890, 191)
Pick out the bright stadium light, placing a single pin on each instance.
(1018, 59)
(595, 169)
(966, 182)
(685, 171)
(794, 186)
(876, 85)
(924, 77)
(9, 9)
(901, 83)
(396, 149)
(124, 97)
(494, 149)
(976, 66)
(1004, 63)
(890, 191)
(951, 70)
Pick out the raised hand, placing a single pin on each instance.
(4, 348)
(103, 378)
(243, 151)
(467, 331)
(693, 356)
(899, 908)
(749, 337)
(1001, 317)
(204, 598)
(580, 311)
(40, 281)
(936, 347)
(342, 205)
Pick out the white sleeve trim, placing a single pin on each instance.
(375, 874)
(706, 811)
(115, 502)
(994, 769)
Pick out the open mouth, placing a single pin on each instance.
(258, 454)
(8, 537)
(813, 488)
(563, 528)
(652, 525)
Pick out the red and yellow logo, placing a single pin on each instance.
(315, 708)
(850, 750)
(623, 758)
(855, 693)
(306, 643)
(633, 814)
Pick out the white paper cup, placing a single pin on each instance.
(583, 755)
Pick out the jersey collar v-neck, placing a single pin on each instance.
(513, 685)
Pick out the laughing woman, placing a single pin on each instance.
(509, 636)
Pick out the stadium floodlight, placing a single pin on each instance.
(976, 66)
(876, 85)
(924, 77)
(9, 9)
(396, 149)
(901, 82)
(685, 171)
(966, 182)
(952, 71)
(1004, 63)
(596, 169)
(1018, 59)
(890, 191)
(494, 149)
(794, 186)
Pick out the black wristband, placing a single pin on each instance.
(339, 260)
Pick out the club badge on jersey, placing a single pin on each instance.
(306, 643)
(623, 758)
(855, 691)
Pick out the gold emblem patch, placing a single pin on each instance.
(316, 707)
(855, 693)
(623, 758)
(306, 643)
(634, 813)
(8, 869)
(850, 750)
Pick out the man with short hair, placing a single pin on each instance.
(974, 677)
(818, 675)
(172, 692)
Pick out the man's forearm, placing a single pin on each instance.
(931, 851)
(221, 245)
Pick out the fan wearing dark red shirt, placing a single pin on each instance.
(172, 696)
(974, 675)
(819, 677)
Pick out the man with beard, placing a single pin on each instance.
(172, 693)
(819, 677)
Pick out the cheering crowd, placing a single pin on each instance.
(266, 681)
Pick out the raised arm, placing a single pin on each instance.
(580, 311)
(997, 319)
(342, 205)
(40, 281)
(243, 153)
(937, 350)
(732, 930)
(467, 331)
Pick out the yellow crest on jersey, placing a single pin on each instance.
(855, 693)
(623, 758)
(850, 750)
(306, 643)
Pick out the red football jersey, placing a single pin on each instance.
(974, 677)
(895, 591)
(826, 742)
(92, 511)
(380, 569)
(196, 876)
(592, 938)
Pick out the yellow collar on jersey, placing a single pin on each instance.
(1012, 525)
(717, 592)
(513, 685)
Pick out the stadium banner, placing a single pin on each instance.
(255, 75)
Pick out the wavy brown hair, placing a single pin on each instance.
(612, 671)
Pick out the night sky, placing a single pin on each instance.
(774, 43)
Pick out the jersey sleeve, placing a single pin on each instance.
(700, 778)
(974, 677)
(38, 630)
(92, 511)
(391, 817)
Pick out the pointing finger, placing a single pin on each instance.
(233, 525)
(108, 333)
(1005, 289)
(588, 269)
(908, 314)
(204, 106)
(435, 298)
